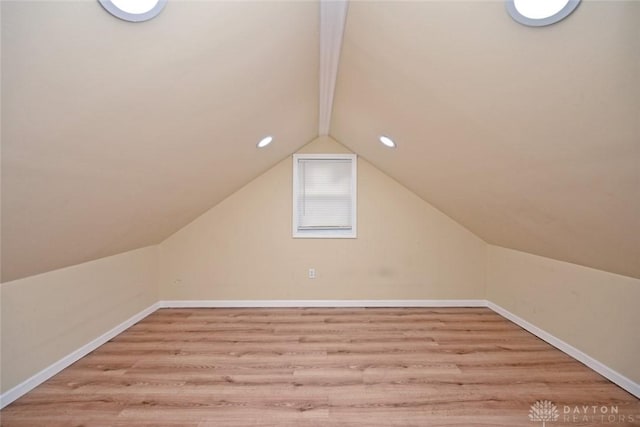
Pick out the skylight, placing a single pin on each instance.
(136, 7)
(134, 10)
(539, 9)
(537, 13)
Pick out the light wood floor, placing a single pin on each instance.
(320, 367)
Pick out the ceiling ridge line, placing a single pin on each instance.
(333, 14)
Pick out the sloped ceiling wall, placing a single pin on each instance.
(530, 137)
(115, 135)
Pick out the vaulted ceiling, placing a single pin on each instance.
(530, 137)
(115, 135)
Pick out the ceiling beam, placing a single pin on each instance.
(333, 14)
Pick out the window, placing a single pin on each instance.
(324, 195)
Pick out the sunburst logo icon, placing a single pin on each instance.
(543, 410)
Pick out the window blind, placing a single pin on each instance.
(324, 194)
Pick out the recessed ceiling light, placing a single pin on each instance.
(265, 141)
(388, 142)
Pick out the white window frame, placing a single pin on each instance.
(326, 234)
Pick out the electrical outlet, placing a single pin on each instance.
(177, 282)
(312, 273)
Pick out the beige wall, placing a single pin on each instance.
(595, 311)
(243, 249)
(48, 316)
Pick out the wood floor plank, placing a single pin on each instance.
(319, 367)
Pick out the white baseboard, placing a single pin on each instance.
(37, 379)
(323, 303)
(615, 377)
(31, 383)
